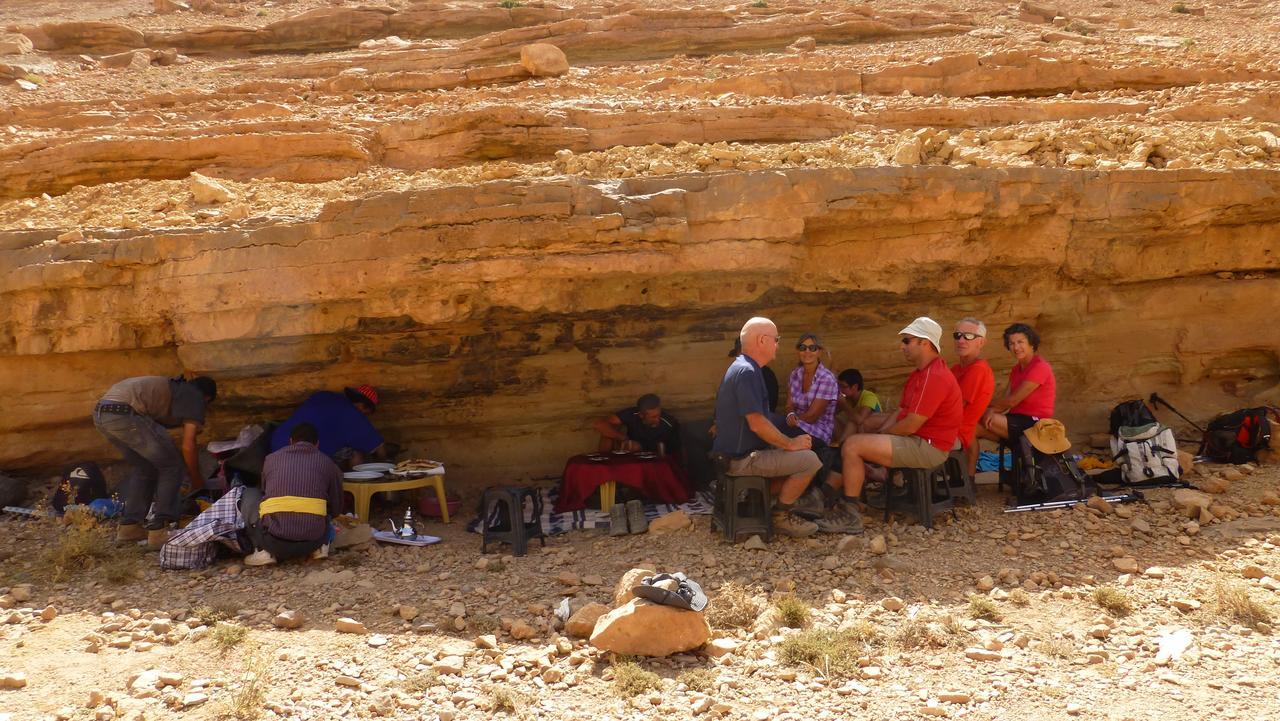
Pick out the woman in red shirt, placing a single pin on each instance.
(1031, 391)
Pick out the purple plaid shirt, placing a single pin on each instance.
(823, 387)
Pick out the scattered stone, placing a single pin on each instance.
(982, 654)
(892, 603)
(13, 680)
(878, 545)
(718, 647)
(521, 631)
(15, 44)
(350, 625)
(1098, 504)
(21, 593)
(1252, 571)
(544, 60)
(569, 578)
(755, 543)
(290, 619)
(675, 521)
(1125, 564)
(1192, 503)
(449, 665)
(407, 613)
(207, 190)
(377, 640)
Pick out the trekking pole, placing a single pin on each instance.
(1156, 400)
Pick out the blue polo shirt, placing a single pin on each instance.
(338, 422)
(741, 392)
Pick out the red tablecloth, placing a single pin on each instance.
(658, 479)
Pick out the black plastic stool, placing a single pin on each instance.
(742, 507)
(958, 477)
(499, 502)
(922, 485)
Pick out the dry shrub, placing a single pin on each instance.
(1112, 600)
(1234, 604)
(831, 653)
(793, 612)
(631, 680)
(922, 632)
(76, 548)
(734, 606)
(122, 567)
(246, 697)
(505, 699)
(229, 635)
(701, 680)
(983, 608)
(1019, 597)
(420, 682)
(1056, 648)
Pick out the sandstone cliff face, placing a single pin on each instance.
(497, 319)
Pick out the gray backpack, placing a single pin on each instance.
(1146, 454)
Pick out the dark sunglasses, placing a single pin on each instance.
(810, 348)
(967, 336)
(906, 339)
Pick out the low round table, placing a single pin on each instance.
(660, 479)
(363, 491)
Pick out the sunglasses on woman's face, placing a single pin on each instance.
(810, 348)
(967, 336)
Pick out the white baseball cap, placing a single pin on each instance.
(927, 328)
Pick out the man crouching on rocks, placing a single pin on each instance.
(134, 415)
(750, 440)
(289, 517)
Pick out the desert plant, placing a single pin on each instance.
(734, 606)
(245, 697)
(75, 549)
(830, 653)
(760, 4)
(229, 635)
(983, 608)
(1019, 597)
(631, 680)
(701, 680)
(1056, 648)
(420, 682)
(793, 612)
(1180, 8)
(1112, 600)
(505, 699)
(121, 568)
(1234, 604)
(508, 4)
(920, 632)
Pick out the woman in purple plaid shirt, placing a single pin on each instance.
(812, 392)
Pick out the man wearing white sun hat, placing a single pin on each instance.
(927, 423)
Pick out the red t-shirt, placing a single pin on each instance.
(933, 392)
(1040, 403)
(977, 385)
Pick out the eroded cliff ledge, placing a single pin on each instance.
(498, 318)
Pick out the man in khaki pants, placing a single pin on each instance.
(923, 431)
(750, 439)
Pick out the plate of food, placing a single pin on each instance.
(376, 467)
(361, 475)
(417, 467)
(646, 454)
(597, 457)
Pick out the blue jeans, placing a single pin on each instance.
(157, 465)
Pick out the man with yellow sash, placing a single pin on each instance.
(289, 516)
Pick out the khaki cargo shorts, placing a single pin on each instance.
(776, 463)
(915, 452)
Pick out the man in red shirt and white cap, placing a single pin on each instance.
(923, 431)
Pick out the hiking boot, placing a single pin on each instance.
(636, 520)
(321, 552)
(157, 538)
(259, 558)
(130, 533)
(618, 520)
(789, 524)
(811, 505)
(840, 518)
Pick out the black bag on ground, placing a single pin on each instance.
(1048, 477)
(1132, 414)
(82, 482)
(1237, 437)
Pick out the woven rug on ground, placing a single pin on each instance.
(554, 524)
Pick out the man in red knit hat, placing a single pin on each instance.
(342, 423)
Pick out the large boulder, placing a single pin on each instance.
(544, 60)
(622, 592)
(583, 623)
(643, 628)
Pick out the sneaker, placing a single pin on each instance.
(618, 520)
(636, 520)
(840, 518)
(789, 524)
(321, 552)
(259, 558)
(811, 505)
(130, 533)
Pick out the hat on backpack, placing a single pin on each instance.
(1048, 436)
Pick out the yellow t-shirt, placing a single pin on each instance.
(869, 400)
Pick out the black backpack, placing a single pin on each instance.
(1132, 414)
(1237, 437)
(82, 482)
(1048, 478)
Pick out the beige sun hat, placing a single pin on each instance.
(927, 328)
(1048, 436)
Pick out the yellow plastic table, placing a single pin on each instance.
(363, 491)
(608, 492)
